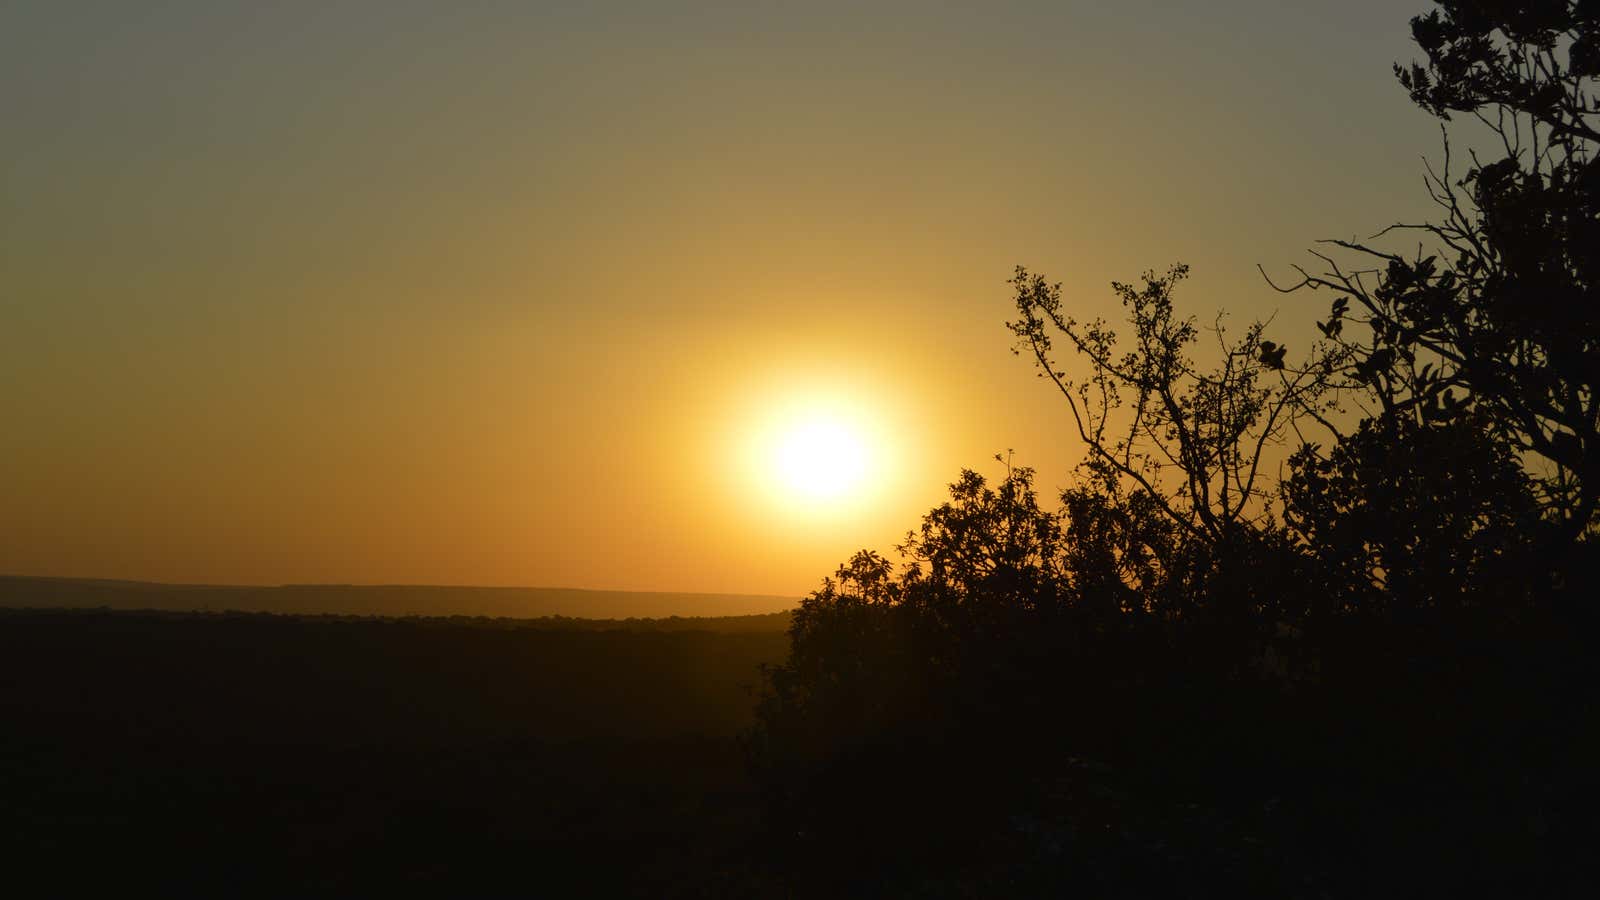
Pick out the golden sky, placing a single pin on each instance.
(517, 293)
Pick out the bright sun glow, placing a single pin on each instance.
(820, 459)
(815, 448)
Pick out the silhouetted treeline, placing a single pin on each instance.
(757, 624)
(1307, 623)
(380, 600)
(214, 679)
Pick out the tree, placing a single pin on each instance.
(1168, 439)
(1405, 516)
(1193, 443)
(882, 651)
(1500, 303)
(901, 673)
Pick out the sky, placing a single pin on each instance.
(520, 293)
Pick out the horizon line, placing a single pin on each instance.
(83, 579)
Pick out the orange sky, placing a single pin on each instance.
(488, 294)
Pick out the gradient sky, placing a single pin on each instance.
(497, 293)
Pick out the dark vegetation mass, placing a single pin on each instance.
(213, 754)
(1314, 619)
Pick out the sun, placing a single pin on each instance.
(819, 459)
(814, 451)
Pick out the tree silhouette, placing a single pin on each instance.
(883, 649)
(1404, 516)
(1180, 457)
(1496, 316)
(1189, 442)
(904, 673)
(1272, 570)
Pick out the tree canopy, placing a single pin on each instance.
(1495, 316)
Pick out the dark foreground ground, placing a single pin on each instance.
(219, 754)
(227, 754)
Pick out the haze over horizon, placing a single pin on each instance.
(611, 296)
(388, 600)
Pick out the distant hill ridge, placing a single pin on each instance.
(39, 592)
